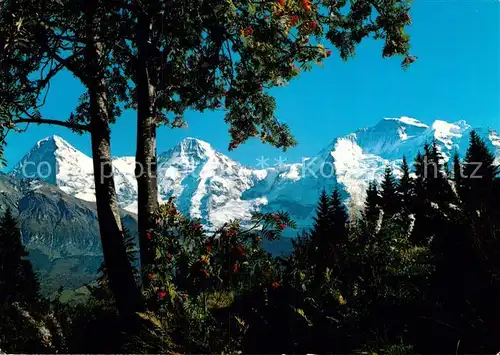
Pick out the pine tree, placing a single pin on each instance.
(18, 282)
(322, 223)
(389, 200)
(481, 228)
(339, 218)
(420, 204)
(457, 173)
(338, 244)
(479, 174)
(405, 188)
(372, 204)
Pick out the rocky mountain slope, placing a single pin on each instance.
(60, 231)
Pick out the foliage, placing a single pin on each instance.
(26, 325)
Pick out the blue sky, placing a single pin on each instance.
(457, 76)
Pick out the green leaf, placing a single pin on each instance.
(251, 9)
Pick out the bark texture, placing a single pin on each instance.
(121, 278)
(147, 187)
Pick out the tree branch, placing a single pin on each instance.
(74, 126)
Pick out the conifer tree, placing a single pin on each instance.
(480, 196)
(479, 174)
(339, 217)
(372, 204)
(18, 282)
(389, 200)
(322, 224)
(20, 300)
(405, 188)
(457, 173)
(420, 204)
(338, 243)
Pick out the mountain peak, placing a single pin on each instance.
(193, 147)
(53, 142)
(407, 121)
(446, 132)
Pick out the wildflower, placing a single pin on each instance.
(162, 294)
(149, 236)
(235, 268)
(151, 276)
(275, 284)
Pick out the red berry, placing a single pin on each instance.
(294, 20)
(209, 249)
(235, 268)
(240, 249)
(197, 226)
(328, 53)
(162, 294)
(148, 236)
(306, 4)
(314, 25)
(248, 31)
(151, 276)
(185, 297)
(275, 284)
(283, 226)
(282, 2)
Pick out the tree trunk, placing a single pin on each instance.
(147, 187)
(121, 278)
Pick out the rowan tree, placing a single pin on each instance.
(225, 55)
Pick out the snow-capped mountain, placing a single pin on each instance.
(210, 186)
(57, 162)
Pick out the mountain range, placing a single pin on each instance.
(52, 186)
(210, 186)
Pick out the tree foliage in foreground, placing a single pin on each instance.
(163, 58)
